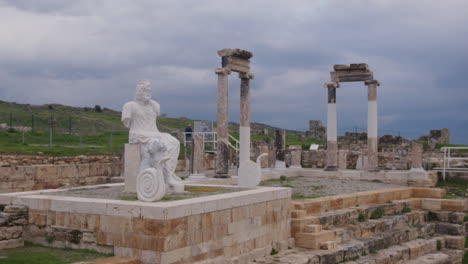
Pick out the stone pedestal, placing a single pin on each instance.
(362, 163)
(416, 156)
(197, 159)
(342, 159)
(132, 159)
(296, 155)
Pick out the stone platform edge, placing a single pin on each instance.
(406, 177)
(39, 200)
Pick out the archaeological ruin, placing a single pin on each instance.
(357, 199)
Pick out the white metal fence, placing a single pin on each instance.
(448, 158)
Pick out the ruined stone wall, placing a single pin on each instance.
(23, 160)
(37, 177)
(264, 146)
(391, 157)
(13, 221)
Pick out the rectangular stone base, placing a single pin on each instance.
(132, 161)
(227, 225)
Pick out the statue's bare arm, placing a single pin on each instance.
(156, 107)
(126, 115)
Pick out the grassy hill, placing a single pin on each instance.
(84, 130)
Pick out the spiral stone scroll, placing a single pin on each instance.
(150, 185)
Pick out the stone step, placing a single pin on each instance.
(441, 257)
(313, 229)
(351, 216)
(314, 240)
(446, 217)
(357, 230)
(111, 260)
(376, 251)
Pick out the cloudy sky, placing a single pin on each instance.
(90, 52)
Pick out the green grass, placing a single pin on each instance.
(362, 217)
(377, 213)
(95, 129)
(299, 196)
(456, 187)
(36, 254)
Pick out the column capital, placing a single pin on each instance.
(223, 71)
(369, 82)
(331, 85)
(246, 75)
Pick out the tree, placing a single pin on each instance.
(97, 108)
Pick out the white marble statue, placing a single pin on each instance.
(159, 151)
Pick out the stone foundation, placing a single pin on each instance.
(13, 220)
(405, 178)
(228, 227)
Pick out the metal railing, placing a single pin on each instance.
(211, 139)
(447, 158)
(236, 143)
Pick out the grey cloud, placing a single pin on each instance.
(79, 52)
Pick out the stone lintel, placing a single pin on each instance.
(239, 53)
(238, 68)
(246, 75)
(351, 76)
(351, 67)
(224, 70)
(331, 85)
(368, 82)
(237, 61)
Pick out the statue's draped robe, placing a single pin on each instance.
(143, 130)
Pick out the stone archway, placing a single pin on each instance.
(235, 60)
(358, 72)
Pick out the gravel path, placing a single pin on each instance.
(307, 187)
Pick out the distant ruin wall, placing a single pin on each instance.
(37, 177)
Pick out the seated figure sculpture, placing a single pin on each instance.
(159, 151)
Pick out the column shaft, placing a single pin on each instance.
(372, 126)
(332, 143)
(222, 149)
(244, 128)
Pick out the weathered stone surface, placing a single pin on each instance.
(222, 160)
(111, 260)
(280, 143)
(351, 76)
(12, 243)
(198, 155)
(239, 53)
(10, 232)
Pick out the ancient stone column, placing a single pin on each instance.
(280, 142)
(197, 159)
(332, 144)
(372, 137)
(222, 148)
(416, 156)
(244, 128)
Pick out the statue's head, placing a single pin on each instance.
(143, 91)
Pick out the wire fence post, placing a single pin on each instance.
(32, 123)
